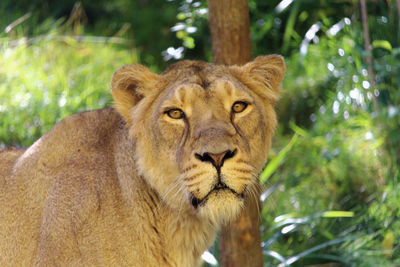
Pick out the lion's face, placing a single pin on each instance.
(202, 131)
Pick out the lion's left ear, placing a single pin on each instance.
(129, 85)
(263, 75)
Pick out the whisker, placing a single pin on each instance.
(190, 178)
(243, 178)
(165, 195)
(171, 188)
(190, 186)
(180, 205)
(254, 194)
(242, 170)
(243, 161)
(180, 190)
(255, 176)
(189, 168)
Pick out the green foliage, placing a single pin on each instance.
(145, 22)
(329, 168)
(346, 156)
(43, 83)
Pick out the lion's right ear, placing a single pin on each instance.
(129, 85)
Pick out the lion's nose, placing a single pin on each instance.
(216, 159)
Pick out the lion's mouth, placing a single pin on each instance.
(196, 202)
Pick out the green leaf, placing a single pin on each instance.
(275, 255)
(297, 129)
(382, 44)
(276, 162)
(181, 16)
(337, 213)
(189, 42)
(181, 34)
(305, 253)
(290, 26)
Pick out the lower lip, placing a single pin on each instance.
(196, 202)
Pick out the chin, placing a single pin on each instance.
(220, 207)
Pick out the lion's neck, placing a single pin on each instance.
(186, 237)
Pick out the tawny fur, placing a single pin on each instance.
(115, 187)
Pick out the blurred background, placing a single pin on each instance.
(332, 186)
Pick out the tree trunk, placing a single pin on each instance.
(230, 31)
(240, 242)
(367, 46)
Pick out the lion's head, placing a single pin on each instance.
(202, 131)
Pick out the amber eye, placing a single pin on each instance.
(175, 113)
(239, 106)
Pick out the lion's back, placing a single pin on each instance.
(8, 157)
(73, 137)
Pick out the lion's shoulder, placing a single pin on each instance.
(95, 122)
(86, 129)
(71, 142)
(8, 156)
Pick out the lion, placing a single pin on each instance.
(149, 181)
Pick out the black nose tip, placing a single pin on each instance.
(216, 159)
